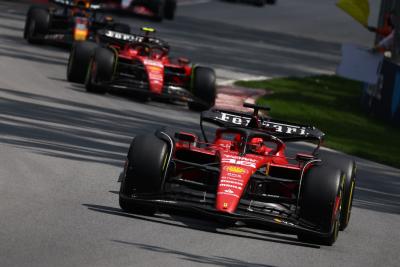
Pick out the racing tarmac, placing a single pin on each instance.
(62, 149)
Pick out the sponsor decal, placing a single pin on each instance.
(279, 127)
(232, 182)
(235, 169)
(233, 176)
(231, 186)
(123, 36)
(228, 191)
(240, 158)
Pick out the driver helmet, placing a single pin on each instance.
(256, 145)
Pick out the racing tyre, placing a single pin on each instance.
(147, 158)
(169, 9)
(321, 202)
(79, 60)
(270, 2)
(203, 88)
(101, 70)
(348, 167)
(36, 25)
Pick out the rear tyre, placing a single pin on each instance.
(147, 158)
(79, 60)
(320, 203)
(169, 9)
(100, 71)
(204, 88)
(348, 167)
(36, 25)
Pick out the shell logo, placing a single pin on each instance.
(235, 169)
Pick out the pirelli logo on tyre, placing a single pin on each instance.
(235, 169)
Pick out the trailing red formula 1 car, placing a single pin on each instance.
(243, 175)
(157, 9)
(67, 21)
(140, 64)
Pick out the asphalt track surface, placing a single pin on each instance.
(62, 150)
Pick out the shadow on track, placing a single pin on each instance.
(194, 258)
(210, 226)
(71, 130)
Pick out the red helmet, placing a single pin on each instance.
(256, 145)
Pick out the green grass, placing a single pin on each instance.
(332, 104)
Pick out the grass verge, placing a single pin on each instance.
(332, 104)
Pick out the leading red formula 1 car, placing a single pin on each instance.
(243, 174)
(141, 64)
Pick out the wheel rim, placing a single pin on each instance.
(350, 204)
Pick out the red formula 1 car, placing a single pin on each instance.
(140, 64)
(157, 9)
(243, 175)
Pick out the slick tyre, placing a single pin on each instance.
(349, 168)
(36, 25)
(147, 160)
(169, 9)
(79, 61)
(321, 202)
(100, 71)
(203, 88)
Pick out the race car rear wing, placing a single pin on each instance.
(132, 38)
(286, 131)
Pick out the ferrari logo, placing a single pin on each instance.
(225, 205)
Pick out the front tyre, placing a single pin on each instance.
(100, 71)
(203, 88)
(320, 203)
(79, 61)
(147, 164)
(348, 167)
